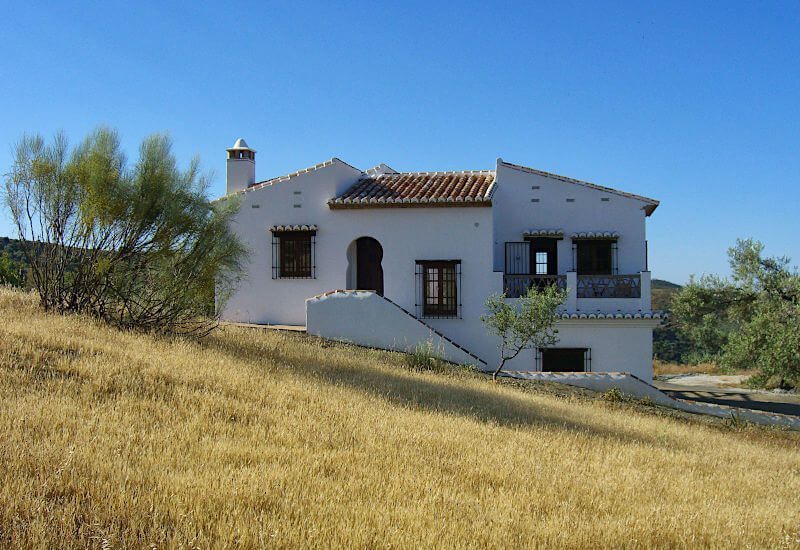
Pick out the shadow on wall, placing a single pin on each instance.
(340, 367)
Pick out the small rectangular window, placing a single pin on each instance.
(438, 283)
(541, 263)
(293, 254)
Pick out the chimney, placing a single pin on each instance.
(241, 166)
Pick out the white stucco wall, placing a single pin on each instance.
(616, 345)
(376, 322)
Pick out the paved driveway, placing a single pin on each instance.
(707, 391)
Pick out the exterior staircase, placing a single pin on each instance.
(366, 318)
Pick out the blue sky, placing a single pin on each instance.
(696, 106)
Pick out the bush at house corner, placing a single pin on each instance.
(139, 246)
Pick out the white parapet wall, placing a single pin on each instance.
(363, 317)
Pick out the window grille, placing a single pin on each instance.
(294, 254)
(438, 289)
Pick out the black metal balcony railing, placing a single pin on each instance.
(517, 285)
(609, 286)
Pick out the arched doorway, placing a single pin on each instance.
(369, 271)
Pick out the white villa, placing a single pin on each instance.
(421, 252)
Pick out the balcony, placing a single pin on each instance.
(609, 286)
(518, 285)
(589, 293)
(605, 292)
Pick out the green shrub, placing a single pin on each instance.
(11, 272)
(614, 395)
(137, 245)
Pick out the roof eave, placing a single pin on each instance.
(337, 205)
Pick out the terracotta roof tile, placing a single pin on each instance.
(419, 189)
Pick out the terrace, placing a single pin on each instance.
(593, 286)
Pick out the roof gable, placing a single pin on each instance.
(649, 207)
(287, 177)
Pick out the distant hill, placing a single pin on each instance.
(661, 284)
(14, 249)
(669, 342)
(662, 292)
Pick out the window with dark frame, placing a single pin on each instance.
(595, 257)
(544, 255)
(293, 254)
(439, 280)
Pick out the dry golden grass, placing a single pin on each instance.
(664, 367)
(258, 438)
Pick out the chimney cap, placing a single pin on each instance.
(241, 145)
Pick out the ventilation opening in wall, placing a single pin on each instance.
(564, 360)
(570, 200)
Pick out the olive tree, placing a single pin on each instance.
(525, 323)
(138, 245)
(750, 320)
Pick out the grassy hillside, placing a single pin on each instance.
(269, 439)
(670, 345)
(661, 292)
(661, 284)
(13, 248)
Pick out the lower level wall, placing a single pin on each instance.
(617, 345)
(361, 317)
